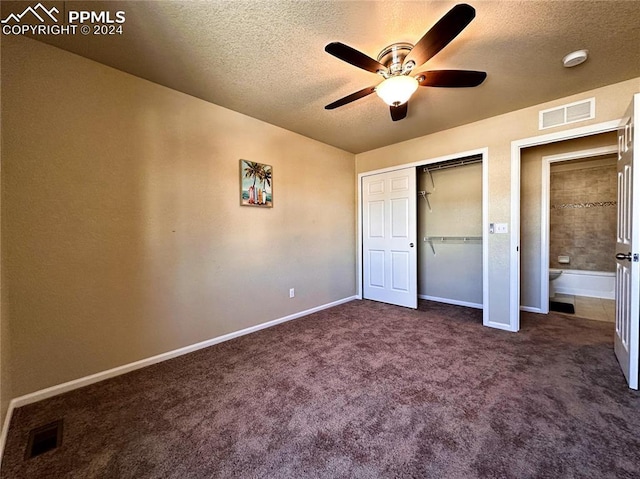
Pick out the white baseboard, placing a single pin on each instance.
(5, 430)
(587, 292)
(455, 302)
(101, 376)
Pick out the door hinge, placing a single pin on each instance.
(636, 257)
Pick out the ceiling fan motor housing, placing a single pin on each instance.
(393, 57)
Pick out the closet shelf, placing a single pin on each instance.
(443, 239)
(451, 240)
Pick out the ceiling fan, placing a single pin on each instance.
(396, 63)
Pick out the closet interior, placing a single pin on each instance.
(450, 231)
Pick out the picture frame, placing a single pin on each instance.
(256, 184)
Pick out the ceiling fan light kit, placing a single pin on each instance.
(397, 90)
(396, 62)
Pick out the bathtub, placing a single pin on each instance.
(596, 284)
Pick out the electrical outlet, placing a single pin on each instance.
(292, 293)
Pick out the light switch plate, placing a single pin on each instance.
(502, 228)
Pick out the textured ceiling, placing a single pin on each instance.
(266, 59)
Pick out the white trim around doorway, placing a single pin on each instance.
(516, 147)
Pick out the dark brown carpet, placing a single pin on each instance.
(363, 390)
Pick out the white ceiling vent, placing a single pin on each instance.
(570, 113)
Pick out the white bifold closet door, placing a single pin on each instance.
(390, 266)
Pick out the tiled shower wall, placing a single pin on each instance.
(583, 218)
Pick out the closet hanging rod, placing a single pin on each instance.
(442, 166)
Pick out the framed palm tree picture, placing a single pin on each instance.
(256, 184)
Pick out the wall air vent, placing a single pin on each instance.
(570, 113)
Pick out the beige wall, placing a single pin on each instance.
(5, 377)
(530, 208)
(497, 133)
(123, 236)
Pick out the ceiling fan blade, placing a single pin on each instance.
(439, 36)
(353, 56)
(349, 98)
(399, 112)
(451, 78)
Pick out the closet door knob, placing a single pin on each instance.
(622, 256)
(411, 245)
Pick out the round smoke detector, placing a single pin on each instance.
(575, 58)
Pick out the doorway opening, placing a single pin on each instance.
(568, 227)
(517, 148)
(581, 214)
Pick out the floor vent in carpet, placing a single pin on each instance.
(44, 438)
(561, 307)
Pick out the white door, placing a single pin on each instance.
(628, 247)
(389, 260)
